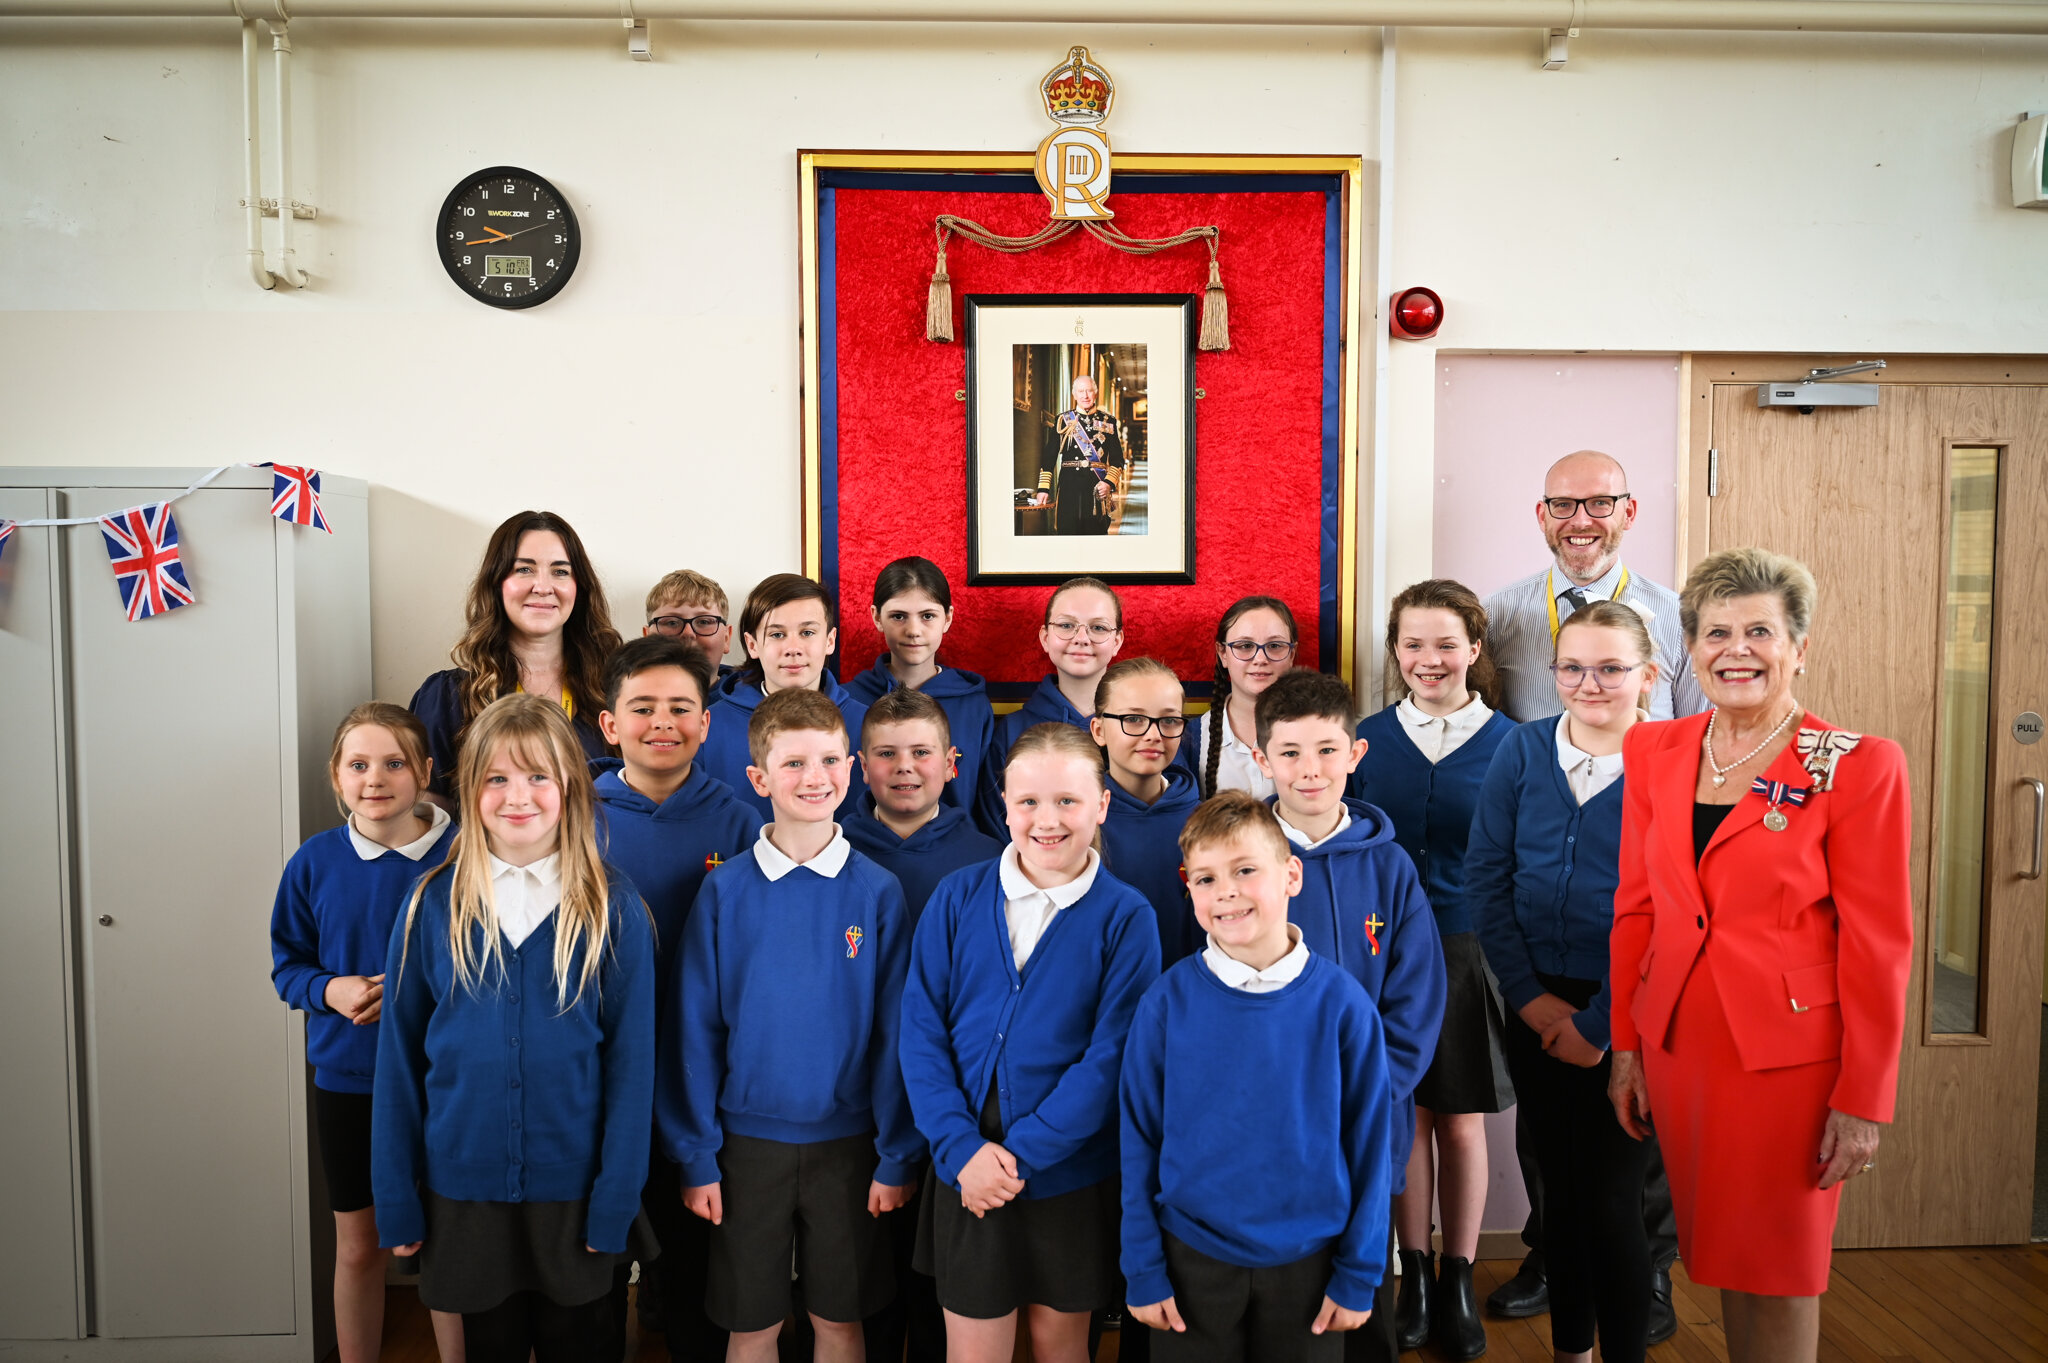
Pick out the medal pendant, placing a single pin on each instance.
(1720, 781)
(1775, 820)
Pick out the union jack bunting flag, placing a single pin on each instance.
(6, 533)
(142, 543)
(295, 496)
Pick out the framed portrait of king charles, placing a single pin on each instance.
(1080, 437)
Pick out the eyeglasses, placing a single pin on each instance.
(674, 625)
(1244, 650)
(1599, 508)
(1170, 726)
(1067, 629)
(1607, 676)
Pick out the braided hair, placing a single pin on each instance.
(1219, 701)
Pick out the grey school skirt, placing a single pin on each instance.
(1470, 1071)
(477, 1254)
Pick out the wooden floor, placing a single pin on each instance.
(1883, 1306)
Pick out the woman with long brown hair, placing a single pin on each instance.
(537, 622)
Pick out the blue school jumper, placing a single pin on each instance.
(666, 850)
(725, 754)
(333, 916)
(920, 861)
(971, 721)
(500, 1093)
(438, 706)
(1540, 874)
(1050, 1038)
(1361, 907)
(1141, 845)
(1430, 803)
(789, 997)
(1256, 1129)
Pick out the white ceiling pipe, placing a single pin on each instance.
(1833, 16)
(287, 268)
(252, 159)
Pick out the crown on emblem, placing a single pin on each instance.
(1077, 91)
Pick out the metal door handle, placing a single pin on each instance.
(2040, 823)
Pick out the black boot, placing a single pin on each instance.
(1525, 1294)
(1460, 1333)
(1415, 1308)
(1663, 1316)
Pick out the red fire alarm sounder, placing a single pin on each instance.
(1416, 314)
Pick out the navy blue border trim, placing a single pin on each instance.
(972, 182)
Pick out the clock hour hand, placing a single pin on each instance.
(495, 237)
(507, 236)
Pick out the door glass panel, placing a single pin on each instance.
(1964, 737)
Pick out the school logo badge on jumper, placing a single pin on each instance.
(1073, 163)
(1373, 924)
(853, 940)
(712, 861)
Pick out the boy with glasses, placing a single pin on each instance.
(688, 605)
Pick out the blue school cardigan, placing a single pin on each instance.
(499, 1093)
(1540, 874)
(1430, 803)
(970, 720)
(333, 916)
(1361, 907)
(1141, 845)
(1256, 1129)
(725, 754)
(1050, 1039)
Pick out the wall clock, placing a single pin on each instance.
(508, 237)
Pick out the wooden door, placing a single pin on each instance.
(176, 743)
(1925, 522)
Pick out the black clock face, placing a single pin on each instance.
(507, 238)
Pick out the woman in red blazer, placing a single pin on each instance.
(1763, 935)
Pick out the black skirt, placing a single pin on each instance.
(1469, 1073)
(1058, 1252)
(477, 1254)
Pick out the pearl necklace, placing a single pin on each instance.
(1721, 772)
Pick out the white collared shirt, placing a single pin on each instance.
(775, 864)
(1029, 910)
(1586, 774)
(1235, 974)
(525, 895)
(1236, 768)
(1439, 736)
(437, 819)
(1301, 839)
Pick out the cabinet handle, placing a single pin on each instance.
(2040, 823)
(106, 920)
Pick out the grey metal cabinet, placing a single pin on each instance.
(154, 1179)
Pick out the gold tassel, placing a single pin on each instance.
(938, 308)
(1215, 333)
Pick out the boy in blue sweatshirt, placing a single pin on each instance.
(908, 830)
(1255, 1120)
(665, 822)
(779, 1092)
(904, 823)
(1361, 906)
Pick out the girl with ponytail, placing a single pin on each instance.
(1255, 644)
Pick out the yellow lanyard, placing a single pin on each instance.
(569, 701)
(1619, 588)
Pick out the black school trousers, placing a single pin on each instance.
(1595, 1252)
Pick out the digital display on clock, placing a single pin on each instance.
(510, 267)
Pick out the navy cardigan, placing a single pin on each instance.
(438, 706)
(1540, 874)
(1430, 803)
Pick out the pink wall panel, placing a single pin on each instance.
(1501, 420)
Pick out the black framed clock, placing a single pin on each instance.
(508, 238)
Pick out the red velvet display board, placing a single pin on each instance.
(1262, 426)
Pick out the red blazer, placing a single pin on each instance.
(1810, 930)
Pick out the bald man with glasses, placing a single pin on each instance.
(1585, 511)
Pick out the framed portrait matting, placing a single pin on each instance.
(1080, 437)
